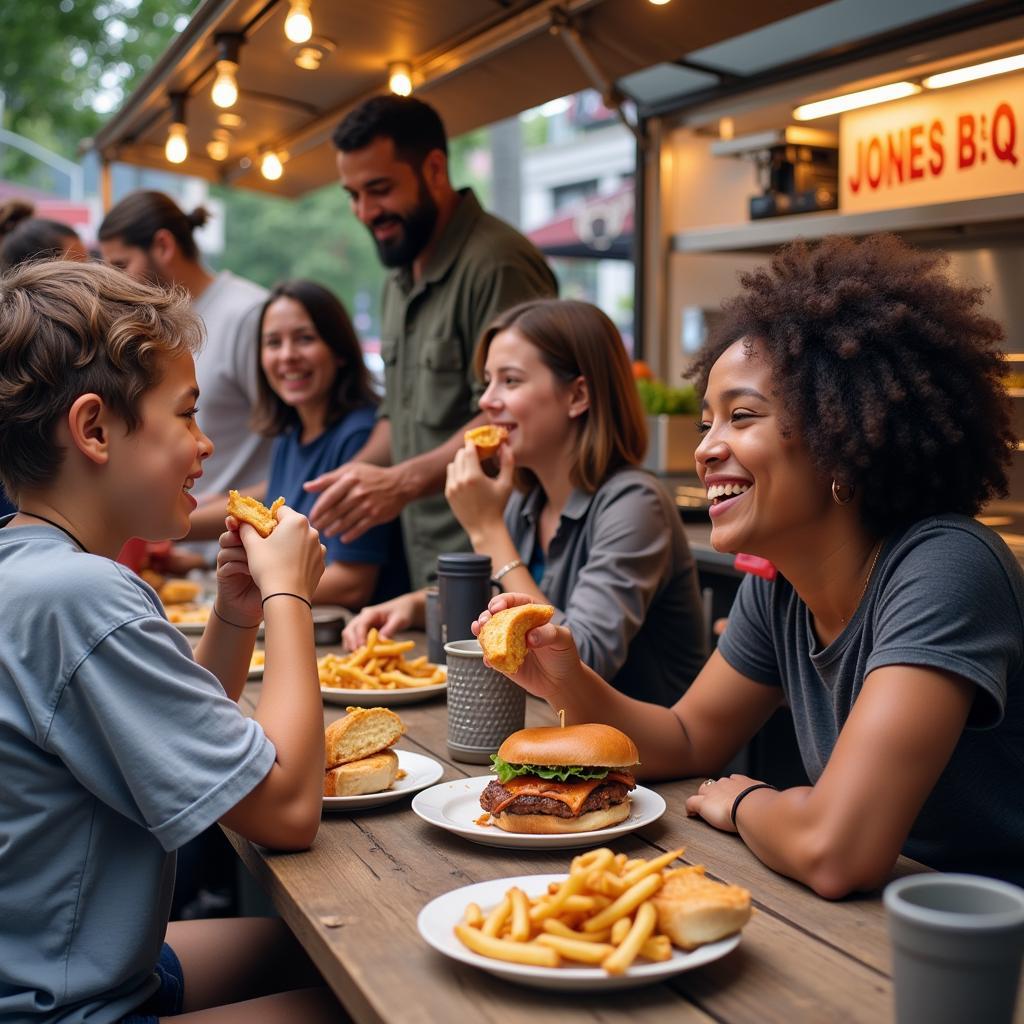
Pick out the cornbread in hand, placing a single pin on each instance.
(371, 774)
(254, 512)
(503, 635)
(362, 732)
(487, 439)
(693, 910)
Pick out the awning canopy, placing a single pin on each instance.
(476, 62)
(600, 228)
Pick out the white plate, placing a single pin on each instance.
(455, 806)
(421, 771)
(380, 698)
(438, 918)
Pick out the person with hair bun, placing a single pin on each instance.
(571, 518)
(24, 236)
(855, 420)
(150, 237)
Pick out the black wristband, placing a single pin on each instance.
(745, 793)
(230, 623)
(288, 593)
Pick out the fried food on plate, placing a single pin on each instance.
(254, 512)
(693, 909)
(362, 732)
(503, 636)
(379, 664)
(179, 591)
(188, 614)
(487, 439)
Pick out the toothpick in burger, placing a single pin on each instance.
(554, 780)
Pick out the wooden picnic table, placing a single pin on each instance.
(352, 901)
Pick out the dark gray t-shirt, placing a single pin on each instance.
(621, 575)
(946, 593)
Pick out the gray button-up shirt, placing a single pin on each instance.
(621, 575)
(429, 331)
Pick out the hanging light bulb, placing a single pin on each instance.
(400, 78)
(270, 166)
(218, 147)
(298, 26)
(225, 86)
(176, 147)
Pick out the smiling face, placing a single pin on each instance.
(538, 410)
(765, 492)
(298, 364)
(391, 198)
(154, 466)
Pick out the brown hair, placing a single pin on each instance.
(576, 339)
(140, 215)
(24, 236)
(352, 388)
(68, 329)
(886, 368)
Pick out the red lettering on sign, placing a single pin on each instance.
(938, 158)
(855, 179)
(875, 160)
(916, 151)
(895, 158)
(968, 149)
(1004, 134)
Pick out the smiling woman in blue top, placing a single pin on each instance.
(316, 400)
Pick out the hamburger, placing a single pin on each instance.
(553, 781)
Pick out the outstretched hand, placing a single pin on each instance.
(354, 498)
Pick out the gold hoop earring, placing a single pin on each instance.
(841, 500)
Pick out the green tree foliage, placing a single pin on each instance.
(65, 64)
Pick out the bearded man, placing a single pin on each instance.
(454, 268)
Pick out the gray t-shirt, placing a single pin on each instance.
(116, 748)
(621, 575)
(226, 372)
(946, 593)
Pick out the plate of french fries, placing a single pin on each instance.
(597, 928)
(455, 807)
(381, 670)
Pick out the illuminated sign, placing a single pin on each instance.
(959, 143)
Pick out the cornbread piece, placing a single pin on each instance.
(487, 439)
(693, 910)
(362, 732)
(371, 774)
(503, 636)
(254, 512)
(179, 591)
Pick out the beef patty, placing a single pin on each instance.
(604, 796)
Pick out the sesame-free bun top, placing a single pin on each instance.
(593, 744)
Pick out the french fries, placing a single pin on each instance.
(379, 664)
(601, 915)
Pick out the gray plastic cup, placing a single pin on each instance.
(957, 942)
(483, 705)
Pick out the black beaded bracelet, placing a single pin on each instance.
(744, 793)
(288, 593)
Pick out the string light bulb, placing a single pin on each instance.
(400, 78)
(270, 165)
(225, 86)
(298, 26)
(176, 147)
(218, 147)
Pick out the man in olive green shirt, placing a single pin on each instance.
(455, 268)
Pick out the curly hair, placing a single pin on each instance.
(68, 329)
(887, 370)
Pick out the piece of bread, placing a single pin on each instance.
(254, 512)
(487, 439)
(503, 635)
(179, 591)
(693, 910)
(362, 732)
(371, 774)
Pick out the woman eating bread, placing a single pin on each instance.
(570, 519)
(854, 422)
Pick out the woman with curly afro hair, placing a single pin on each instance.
(854, 422)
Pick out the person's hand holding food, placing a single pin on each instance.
(478, 500)
(389, 617)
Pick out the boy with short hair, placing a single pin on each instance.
(117, 745)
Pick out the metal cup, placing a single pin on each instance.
(957, 942)
(484, 707)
